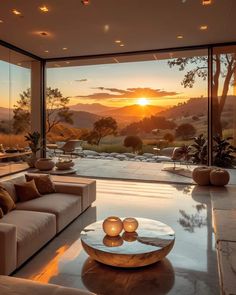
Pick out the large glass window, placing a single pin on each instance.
(224, 105)
(15, 97)
(140, 104)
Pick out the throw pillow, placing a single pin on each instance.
(6, 202)
(1, 213)
(27, 191)
(43, 183)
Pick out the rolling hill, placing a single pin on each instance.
(132, 113)
(94, 108)
(5, 113)
(84, 119)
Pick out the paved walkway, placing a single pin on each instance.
(127, 170)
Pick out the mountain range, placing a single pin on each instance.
(94, 108)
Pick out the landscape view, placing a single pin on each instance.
(143, 106)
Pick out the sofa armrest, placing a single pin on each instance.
(8, 248)
(87, 192)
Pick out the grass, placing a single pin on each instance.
(13, 140)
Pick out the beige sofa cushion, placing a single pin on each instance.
(15, 286)
(66, 207)
(10, 188)
(33, 230)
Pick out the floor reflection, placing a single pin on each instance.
(155, 279)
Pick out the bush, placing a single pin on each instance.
(133, 141)
(185, 131)
(169, 137)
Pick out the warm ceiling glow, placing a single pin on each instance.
(180, 37)
(203, 27)
(1, 21)
(122, 45)
(46, 51)
(206, 2)
(44, 8)
(68, 62)
(16, 12)
(117, 41)
(142, 101)
(64, 48)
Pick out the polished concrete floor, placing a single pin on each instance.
(190, 268)
(140, 171)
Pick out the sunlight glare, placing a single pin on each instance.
(142, 101)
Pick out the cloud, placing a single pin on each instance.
(115, 93)
(81, 80)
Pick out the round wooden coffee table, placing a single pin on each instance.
(152, 241)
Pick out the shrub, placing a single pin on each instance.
(185, 131)
(133, 141)
(169, 137)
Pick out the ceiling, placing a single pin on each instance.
(93, 29)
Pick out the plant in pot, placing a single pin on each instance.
(33, 140)
(223, 152)
(199, 150)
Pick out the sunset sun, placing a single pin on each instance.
(142, 101)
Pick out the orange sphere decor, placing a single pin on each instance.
(112, 226)
(219, 177)
(201, 175)
(113, 241)
(130, 224)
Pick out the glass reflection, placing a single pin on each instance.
(155, 279)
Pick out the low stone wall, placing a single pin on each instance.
(146, 157)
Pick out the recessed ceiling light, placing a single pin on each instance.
(16, 12)
(180, 37)
(203, 27)
(1, 21)
(106, 28)
(85, 2)
(117, 41)
(122, 45)
(44, 8)
(43, 33)
(64, 48)
(46, 51)
(206, 2)
(68, 62)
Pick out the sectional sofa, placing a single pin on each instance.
(15, 286)
(32, 224)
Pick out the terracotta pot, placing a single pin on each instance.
(44, 164)
(112, 226)
(64, 165)
(201, 175)
(219, 177)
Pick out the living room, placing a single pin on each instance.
(117, 147)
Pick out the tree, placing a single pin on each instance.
(224, 67)
(185, 131)
(21, 113)
(133, 141)
(101, 128)
(57, 110)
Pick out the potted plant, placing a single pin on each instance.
(33, 140)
